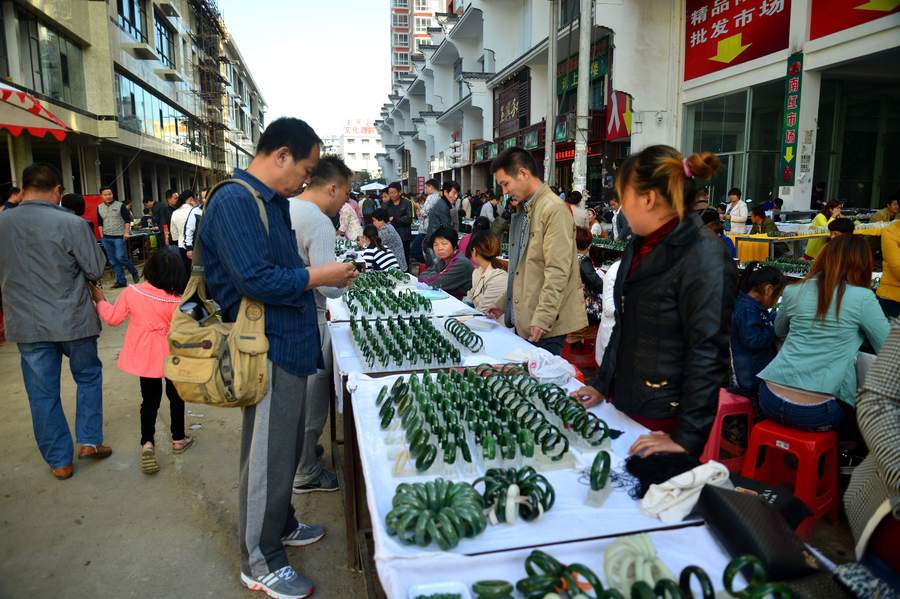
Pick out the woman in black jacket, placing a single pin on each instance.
(668, 354)
(591, 282)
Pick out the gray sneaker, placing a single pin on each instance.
(304, 534)
(326, 482)
(281, 584)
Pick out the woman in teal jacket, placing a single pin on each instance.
(825, 319)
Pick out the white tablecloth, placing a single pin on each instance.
(448, 306)
(678, 549)
(569, 519)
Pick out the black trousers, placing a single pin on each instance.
(406, 247)
(151, 392)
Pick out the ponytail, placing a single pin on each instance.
(756, 276)
(665, 170)
(371, 233)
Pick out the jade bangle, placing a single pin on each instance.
(757, 577)
(600, 470)
(706, 586)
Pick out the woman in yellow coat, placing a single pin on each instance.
(831, 211)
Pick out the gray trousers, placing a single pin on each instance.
(271, 445)
(318, 394)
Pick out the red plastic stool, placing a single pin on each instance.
(820, 494)
(730, 405)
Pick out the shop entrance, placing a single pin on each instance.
(858, 141)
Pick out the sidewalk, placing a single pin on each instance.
(111, 531)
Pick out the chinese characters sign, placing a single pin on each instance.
(790, 125)
(830, 16)
(722, 33)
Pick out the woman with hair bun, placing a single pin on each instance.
(668, 353)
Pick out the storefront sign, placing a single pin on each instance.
(492, 151)
(511, 102)
(722, 33)
(508, 143)
(791, 122)
(565, 154)
(479, 153)
(531, 140)
(567, 70)
(420, 184)
(618, 117)
(830, 16)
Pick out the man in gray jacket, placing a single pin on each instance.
(48, 258)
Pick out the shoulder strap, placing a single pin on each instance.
(197, 260)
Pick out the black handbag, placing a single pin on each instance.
(817, 586)
(744, 524)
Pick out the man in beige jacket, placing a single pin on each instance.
(544, 297)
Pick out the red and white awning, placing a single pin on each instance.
(20, 111)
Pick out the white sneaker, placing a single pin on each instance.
(281, 584)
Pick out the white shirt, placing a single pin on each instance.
(190, 227)
(615, 225)
(176, 225)
(608, 316)
(738, 212)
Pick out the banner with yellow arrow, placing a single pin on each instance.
(791, 122)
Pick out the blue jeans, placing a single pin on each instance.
(41, 365)
(117, 255)
(825, 416)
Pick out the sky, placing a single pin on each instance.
(325, 61)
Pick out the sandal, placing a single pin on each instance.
(182, 445)
(149, 465)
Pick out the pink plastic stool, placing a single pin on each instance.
(729, 405)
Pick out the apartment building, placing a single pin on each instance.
(787, 92)
(410, 24)
(155, 93)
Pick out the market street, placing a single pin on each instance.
(111, 530)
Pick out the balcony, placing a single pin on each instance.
(169, 74)
(141, 50)
(168, 9)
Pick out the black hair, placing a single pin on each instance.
(395, 185)
(722, 206)
(185, 195)
(330, 169)
(169, 193)
(448, 185)
(891, 198)
(41, 177)
(573, 198)
(482, 223)
(165, 270)
(759, 211)
(371, 233)
(448, 234)
(734, 191)
(512, 159)
(842, 225)
(287, 132)
(14, 190)
(710, 215)
(778, 202)
(755, 276)
(433, 183)
(381, 214)
(73, 202)
(104, 188)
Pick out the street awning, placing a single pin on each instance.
(372, 187)
(20, 111)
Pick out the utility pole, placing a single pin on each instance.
(582, 116)
(549, 156)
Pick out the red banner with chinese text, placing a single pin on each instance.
(831, 16)
(723, 33)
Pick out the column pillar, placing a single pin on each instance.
(90, 168)
(120, 180)
(65, 161)
(136, 182)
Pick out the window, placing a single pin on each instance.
(421, 4)
(401, 3)
(140, 111)
(350, 140)
(400, 20)
(420, 41)
(365, 142)
(422, 23)
(51, 65)
(366, 156)
(165, 41)
(401, 39)
(401, 58)
(351, 156)
(133, 18)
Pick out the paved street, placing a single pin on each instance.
(113, 531)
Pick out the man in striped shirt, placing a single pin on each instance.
(241, 258)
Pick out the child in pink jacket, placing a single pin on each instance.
(149, 307)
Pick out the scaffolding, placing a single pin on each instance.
(209, 39)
